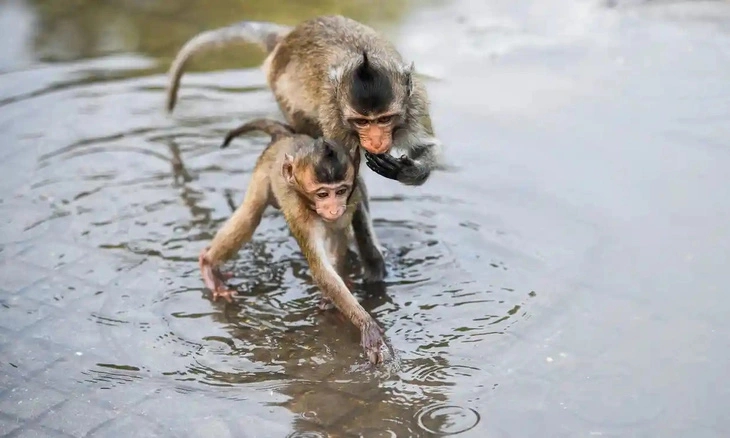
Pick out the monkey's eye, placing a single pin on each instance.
(361, 123)
(322, 195)
(341, 192)
(385, 120)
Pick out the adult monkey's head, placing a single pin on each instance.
(374, 100)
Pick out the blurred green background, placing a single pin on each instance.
(76, 29)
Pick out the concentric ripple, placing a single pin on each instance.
(444, 419)
(130, 195)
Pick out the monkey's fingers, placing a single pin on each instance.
(372, 342)
(226, 294)
(325, 304)
(375, 357)
(213, 279)
(215, 282)
(385, 167)
(382, 172)
(386, 161)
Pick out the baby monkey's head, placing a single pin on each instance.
(325, 173)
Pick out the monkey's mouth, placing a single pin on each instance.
(380, 151)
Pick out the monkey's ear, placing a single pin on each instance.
(287, 169)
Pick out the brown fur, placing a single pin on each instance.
(324, 244)
(307, 69)
(299, 69)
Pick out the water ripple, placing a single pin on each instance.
(443, 419)
(143, 192)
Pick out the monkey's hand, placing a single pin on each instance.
(214, 280)
(404, 169)
(372, 342)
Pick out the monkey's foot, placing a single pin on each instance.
(372, 342)
(373, 268)
(214, 280)
(226, 294)
(325, 304)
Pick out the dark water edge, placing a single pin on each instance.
(562, 278)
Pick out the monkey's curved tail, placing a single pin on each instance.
(265, 34)
(273, 128)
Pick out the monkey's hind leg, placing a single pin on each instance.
(236, 232)
(371, 257)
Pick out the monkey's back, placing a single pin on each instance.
(315, 46)
(333, 37)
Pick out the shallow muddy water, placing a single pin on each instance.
(562, 278)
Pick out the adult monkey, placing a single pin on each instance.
(337, 78)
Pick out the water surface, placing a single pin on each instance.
(562, 278)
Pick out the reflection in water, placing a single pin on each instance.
(273, 338)
(149, 194)
(540, 290)
(110, 171)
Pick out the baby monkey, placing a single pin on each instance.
(315, 185)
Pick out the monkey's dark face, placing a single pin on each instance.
(374, 131)
(374, 106)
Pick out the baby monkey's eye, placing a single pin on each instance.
(322, 195)
(385, 120)
(341, 192)
(361, 123)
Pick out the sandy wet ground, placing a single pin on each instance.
(563, 278)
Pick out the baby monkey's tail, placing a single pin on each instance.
(271, 127)
(265, 34)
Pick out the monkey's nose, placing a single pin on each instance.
(331, 215)
(382, 147)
